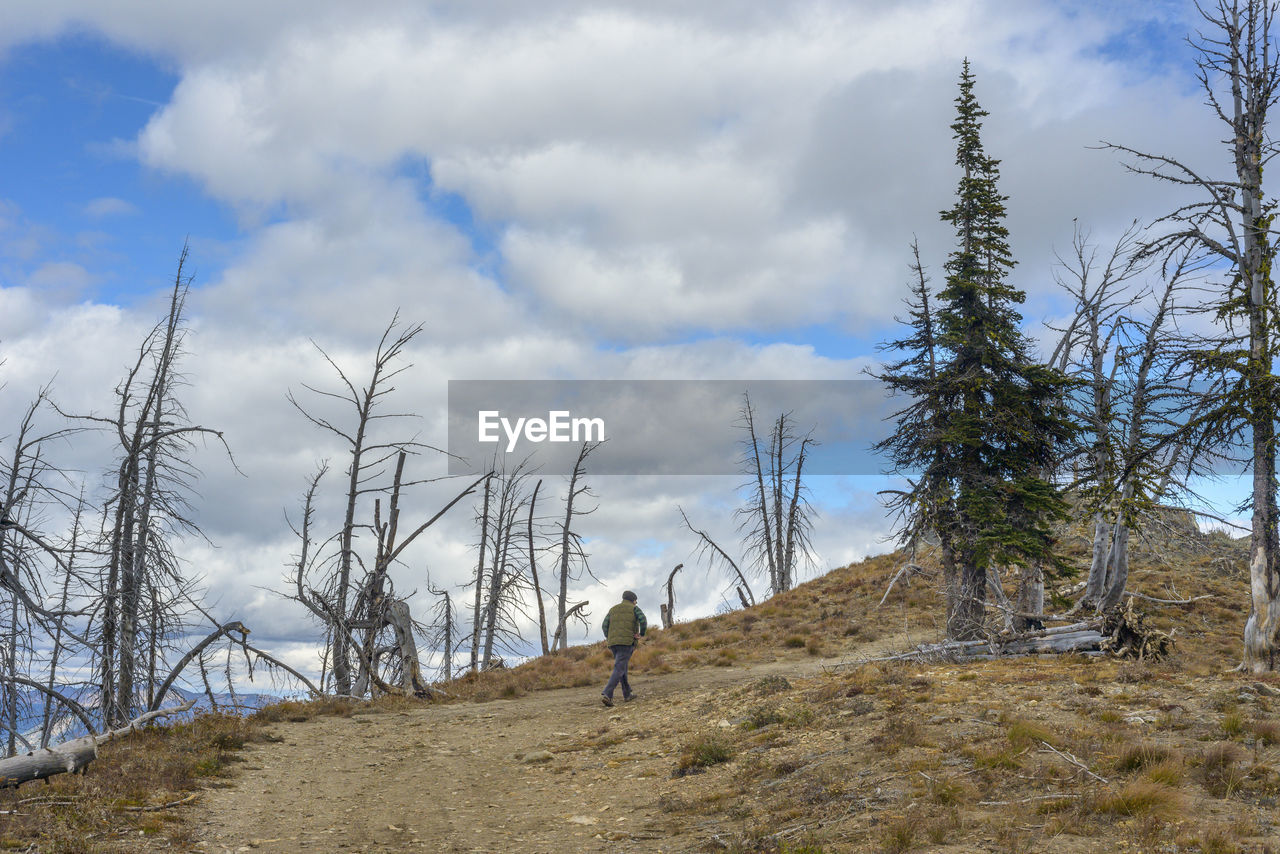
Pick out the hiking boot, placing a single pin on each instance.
(607, 700)
(630, 697)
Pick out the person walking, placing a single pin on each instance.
(624, 625)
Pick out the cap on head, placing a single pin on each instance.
(629, 596)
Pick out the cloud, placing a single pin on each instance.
(106, 206)
(651, 171)
(565, 189)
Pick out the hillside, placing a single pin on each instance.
(759, 731)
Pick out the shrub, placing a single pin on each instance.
(1027, 733)
(1219, 769)
(703, 752)
(773, 684)
(1266, 732)
(1141, 755)
(1140, 798)
(899, 835)
(760, 717)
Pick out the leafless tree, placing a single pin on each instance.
(501, 581)
(480, 570)
(717, 555)
(532, 555)
(776, 518)
(1230, 223)
(369, 458)
(31, 487)
(668, 609)
(369, 627)
(377, 608)
(444, 636)
(142, 587)
(1132, 401)
(571, 552)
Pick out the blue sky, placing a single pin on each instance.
(556, 190)
(71, 110)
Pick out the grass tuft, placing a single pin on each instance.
(1143, 754)
(702, 752)
(1139, 798)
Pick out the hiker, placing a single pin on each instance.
(623, 627)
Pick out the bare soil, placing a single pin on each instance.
(553, 771)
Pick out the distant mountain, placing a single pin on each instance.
(68, 726)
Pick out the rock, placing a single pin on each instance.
(583, 819)
(724, 724)
(536, 756)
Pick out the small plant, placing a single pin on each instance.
(1027, 733)
(939, 828)
(899, 835)
(899, 731)
(794, 642)
(1140, 798)
(1167, 773)
(1219, 769)
(947, 791)
(1134, 757)
(773, 684)
(1218, 840)
(703, 752)
(760, 717)
(1232, 724)
(1265, 732)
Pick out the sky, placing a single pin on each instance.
(555, 190)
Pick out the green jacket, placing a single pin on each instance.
(623, 622)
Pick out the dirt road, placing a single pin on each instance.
(552, 771)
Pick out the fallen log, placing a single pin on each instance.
(74, 755)
(1077, 637)
(1121, 632)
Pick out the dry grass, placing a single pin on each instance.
(900, 757)
(1139, 798)
(99, 810)
(1135, 756)
(703, 752)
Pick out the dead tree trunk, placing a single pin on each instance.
(777, 518)
(706, 544)
(533, 572)
(72, 756)
(1231, 222)
(484, 539)
(1029, 600)
(411, 681)
(562, 629)
(500, 574)
(570, 542)
(669, 607)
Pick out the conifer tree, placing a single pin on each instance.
(986, 421)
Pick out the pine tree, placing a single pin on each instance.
(986, 421)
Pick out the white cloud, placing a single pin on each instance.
(105, 206)
(645, 190)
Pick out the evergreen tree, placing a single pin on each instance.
(985, 421)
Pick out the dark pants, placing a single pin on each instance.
(621, 655)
